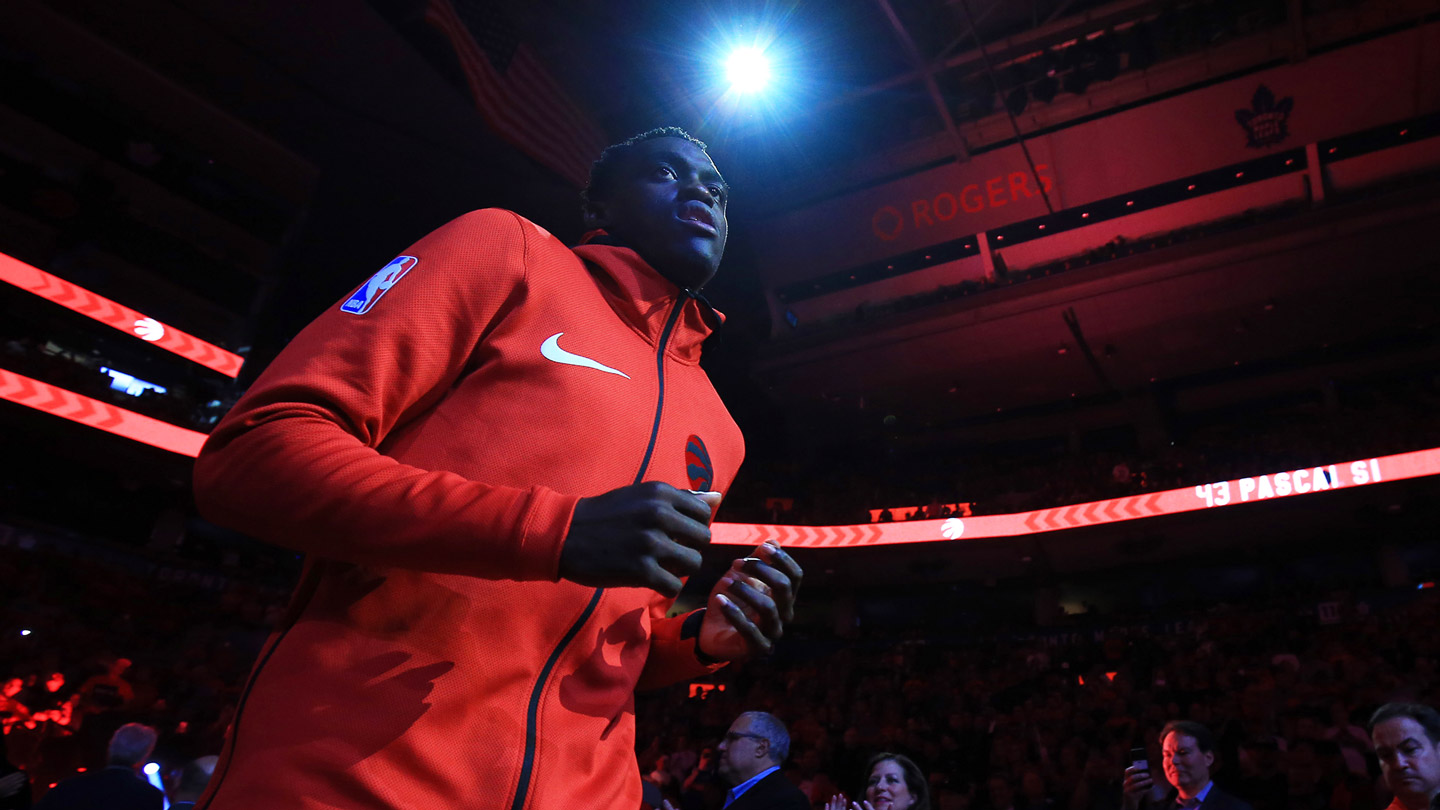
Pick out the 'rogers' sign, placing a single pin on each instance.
(889, 221)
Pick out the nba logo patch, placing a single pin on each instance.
(364, 298)
(697, 465)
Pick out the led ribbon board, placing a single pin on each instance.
(1288, 484)
(81, 300)
(45, 397)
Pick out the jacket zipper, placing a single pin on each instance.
(532, 710)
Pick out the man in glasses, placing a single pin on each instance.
(750, 758)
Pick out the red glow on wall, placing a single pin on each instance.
(135, 324)
(1285, 484)
(41, 396)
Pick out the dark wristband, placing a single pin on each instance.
(691, 629)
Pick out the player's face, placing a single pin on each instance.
(1409, 760)
(669, 205)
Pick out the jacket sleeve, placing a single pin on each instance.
(673, 655)
(296, 461)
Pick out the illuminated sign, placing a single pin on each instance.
(81, 300)
(888, 221)
(41, 396)
(908, 512)
(134, 386)
(1286, 484)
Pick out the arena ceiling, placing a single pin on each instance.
(891, 83)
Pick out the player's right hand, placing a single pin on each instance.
(646, 535)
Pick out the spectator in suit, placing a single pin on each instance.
(750, 758)
(1188, 751)
(119, 786)
(193, 780)
(1406, 736)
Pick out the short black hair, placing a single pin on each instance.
(1190, 728)
(1428, 718)
(604, 170)
(915, 780)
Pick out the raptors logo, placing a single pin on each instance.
(697, 465)
(603, 685)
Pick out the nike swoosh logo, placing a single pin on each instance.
(552, 351)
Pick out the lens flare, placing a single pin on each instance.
(748, 69)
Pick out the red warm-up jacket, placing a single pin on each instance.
(425, 443)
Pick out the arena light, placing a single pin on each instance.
(152, 775)
(1219, 495)
(748, 69)
(44, 397)
(102, 309)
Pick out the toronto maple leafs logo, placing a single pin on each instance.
(1267, 122)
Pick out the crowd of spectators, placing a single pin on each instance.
(1041, 717)
(1367, 422)
(91, 642)
(1046, 720)
(1117, 247)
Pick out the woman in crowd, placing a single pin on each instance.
(892, 782)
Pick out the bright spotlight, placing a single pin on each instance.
(24, 632)
(748, 69)
(152, 775)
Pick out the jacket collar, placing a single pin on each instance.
(644, 299)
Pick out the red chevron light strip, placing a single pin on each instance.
(45, 397)
(81, 300)
(1286, 484)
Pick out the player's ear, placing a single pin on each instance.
(595, 214)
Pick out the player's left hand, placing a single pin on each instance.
(749, 606)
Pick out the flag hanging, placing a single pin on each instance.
(518, 97)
